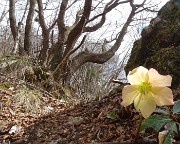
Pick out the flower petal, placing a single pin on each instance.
(129, 93)
(163, 96)
(145, 104)
(159, 80)
(138, 75)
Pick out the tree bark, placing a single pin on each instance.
(78, 29)
(45, 34)
(12, 18)
(13, 27)
(56, 52)
(61, 70)
(28, 28)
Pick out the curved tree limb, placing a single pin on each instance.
(77, 30)
(84, 57)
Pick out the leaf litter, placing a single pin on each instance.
(62, 122)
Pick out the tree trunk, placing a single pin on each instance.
(45, 34)
(28, 28)
(13, 27)
(55, 55)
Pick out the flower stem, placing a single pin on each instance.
(138, 129)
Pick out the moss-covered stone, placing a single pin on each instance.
(167, 61)
(159, 46)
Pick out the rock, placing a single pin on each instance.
(75, 120)
(159, 45)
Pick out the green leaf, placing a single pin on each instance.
(162, 111)
(156, 122)
(168, 139)
(172, 127)
(111, 115)
(176, 108)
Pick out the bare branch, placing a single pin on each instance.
(142, 4)
(71, 4)
(105, 9)
(97, 5)
(4, 12)
(109, 6)
(84, 57)
(147, 9)
(24, 15)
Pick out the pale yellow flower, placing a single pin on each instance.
(148, 88)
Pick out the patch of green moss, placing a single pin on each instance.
(171, 11)
(167, 61)
(5, 85)
(35, 74)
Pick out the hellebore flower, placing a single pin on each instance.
(148, 88)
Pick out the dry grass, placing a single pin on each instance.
(30, 100)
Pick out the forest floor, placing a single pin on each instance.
(68, 122)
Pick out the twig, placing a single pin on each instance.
(117, 81)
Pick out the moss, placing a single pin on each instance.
(171, 11)
(167, 61)
(35, 74)
(5, 85)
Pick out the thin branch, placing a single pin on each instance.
(146, 9)
(109, 6)
(74, 50)
(71, 4)
(24, 14)
(105, 9)
(4, 12)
